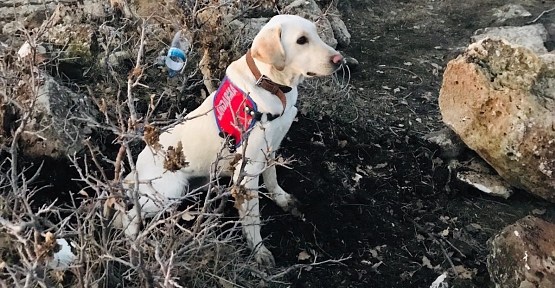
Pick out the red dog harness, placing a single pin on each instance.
(235, 113)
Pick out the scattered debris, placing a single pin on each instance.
(538, 212)
(357, 177)
(440, 281)
(465, 273)
(303, 255)
(426, 263)
(376, 265)
(175, 159)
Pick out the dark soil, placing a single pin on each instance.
(373, 190)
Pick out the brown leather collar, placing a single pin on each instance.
(266, 83)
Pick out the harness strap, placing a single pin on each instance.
(236, 112)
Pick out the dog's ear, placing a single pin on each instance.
(267, 47)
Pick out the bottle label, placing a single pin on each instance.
(175, 59)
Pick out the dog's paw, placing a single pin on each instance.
(292, 207)
(264, 257)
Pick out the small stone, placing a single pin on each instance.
(538, 211)
(510, 11)
(351, 62)
(115, 59)
(473, 228)
(450, 145)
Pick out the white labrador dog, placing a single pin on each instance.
(286, 51)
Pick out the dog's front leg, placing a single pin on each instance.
(246, 197)
(286, 201)
(131, 223)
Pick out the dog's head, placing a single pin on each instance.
(291, 44)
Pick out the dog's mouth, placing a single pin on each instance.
(312, 74)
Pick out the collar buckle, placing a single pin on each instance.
(262, 78)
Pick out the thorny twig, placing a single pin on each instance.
(541, 15)
(273, 278)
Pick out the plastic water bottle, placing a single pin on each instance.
(175, 60)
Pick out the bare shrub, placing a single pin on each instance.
(70, 242)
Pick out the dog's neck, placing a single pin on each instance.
(285, 77)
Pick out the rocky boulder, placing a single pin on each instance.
(340, 31)
(500, 99)
(531, 36)
(60, 122)
(15, 14)
(522, 255)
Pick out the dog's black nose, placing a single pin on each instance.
(337, 59)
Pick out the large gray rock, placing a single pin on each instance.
(30, 14)
(523, 255)
(59, 24)
(340, 31)
(531, 36)
(59, 122)
(500, 99)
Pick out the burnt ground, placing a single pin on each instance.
(371, 188)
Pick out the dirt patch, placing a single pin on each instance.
(381, 199)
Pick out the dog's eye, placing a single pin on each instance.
(302, 40)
